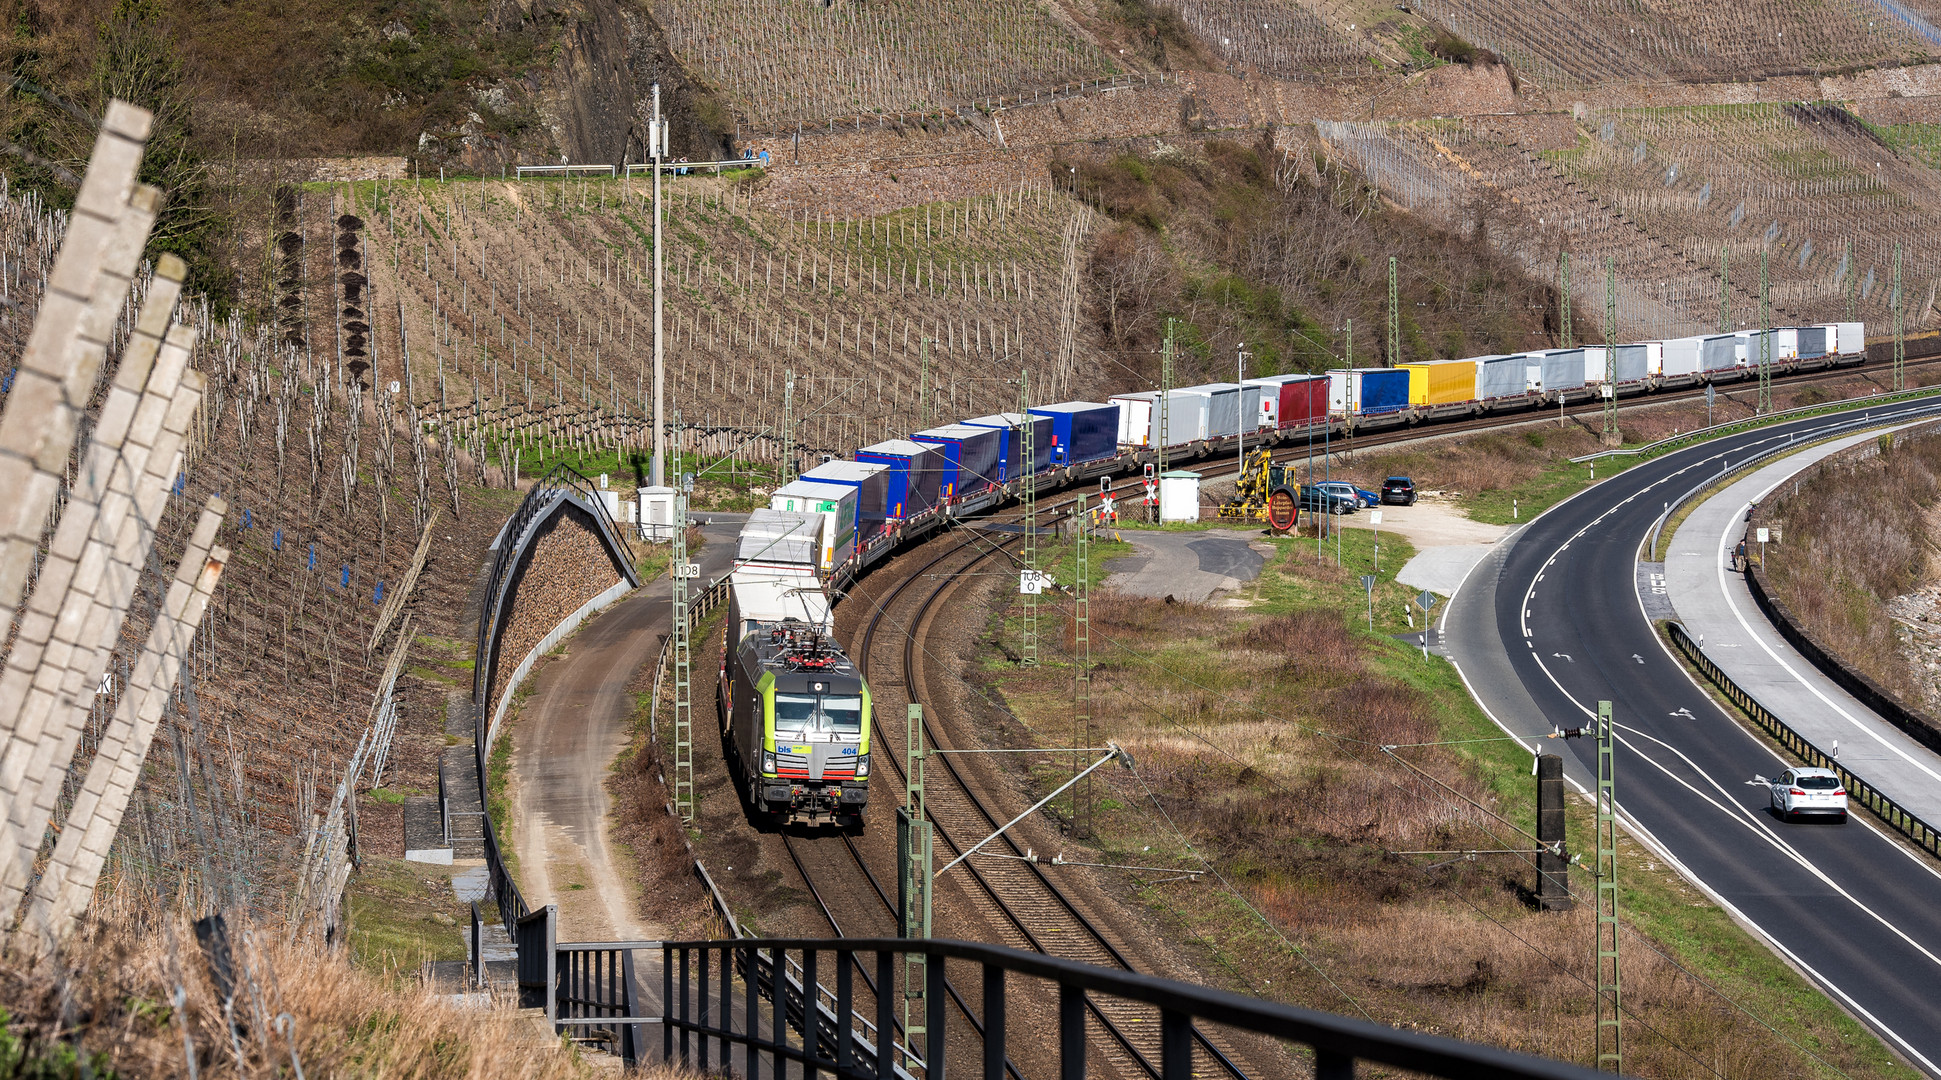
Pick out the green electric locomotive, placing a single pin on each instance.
(795, 714)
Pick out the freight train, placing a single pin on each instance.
(824, 529)
(795, 712)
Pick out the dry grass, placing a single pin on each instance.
(1259, 735)
(1241, 242)
(108, 1000)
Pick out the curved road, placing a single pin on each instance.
(1553, 622)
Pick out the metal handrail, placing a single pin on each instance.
(1888, 397)
(1791, 444)
(1337, 1041)
(539, 498)
(1892, 814)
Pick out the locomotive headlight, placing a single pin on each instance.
(862, 766)
(768, 763)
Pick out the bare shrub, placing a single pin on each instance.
(1311, 639)
(1379, 711)
(1854, 536)
(108, 997)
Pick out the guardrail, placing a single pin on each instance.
(597, 993)
(1749, 423)
(696, 996)
(1890, 813)
(1725, 467)
(520, 172)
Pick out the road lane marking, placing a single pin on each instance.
(1733, 603)
(1760, 828)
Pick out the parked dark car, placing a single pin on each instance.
(1398, 491)
(1317, 500)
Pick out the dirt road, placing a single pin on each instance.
(565, 739)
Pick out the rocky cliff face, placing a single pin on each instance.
(589, 99)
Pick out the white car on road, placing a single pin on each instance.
(1805, 791)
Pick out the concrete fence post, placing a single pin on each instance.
(86, 579)
(89, 575)
(82, 851)
(51, 388)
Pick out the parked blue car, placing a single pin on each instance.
(1350, 491)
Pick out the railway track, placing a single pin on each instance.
(1026, 908)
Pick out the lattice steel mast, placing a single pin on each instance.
(1611, 435)
(1028, 461)
(1394, 317)
(683, 703)
(1081, 670)
(1563, 300)
(1765, 337)
(1610, 1017)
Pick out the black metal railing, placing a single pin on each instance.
(540, 499)
(596, 994)
(1892, 814)
(701, 1010)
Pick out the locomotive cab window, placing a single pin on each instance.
(799, 715)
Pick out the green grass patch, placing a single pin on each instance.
(498, 773)
(402, 914)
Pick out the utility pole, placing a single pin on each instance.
(1900, 325)
(1394, 318)
(683, 703)
(913, 847)
(1240, 380)
(1553, 865)
(1611, 435)
(1765, 337)
(923, 384)
(1610, 1017)
(1029, 461)
(787, 470)
(1563, 298)
(1082, 672)
(657, 145)
(1165, 405)
(1852, 282)
(1725, 289)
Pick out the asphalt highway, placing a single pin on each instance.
(1554, 621)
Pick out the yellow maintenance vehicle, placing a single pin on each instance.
(1266, 492)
